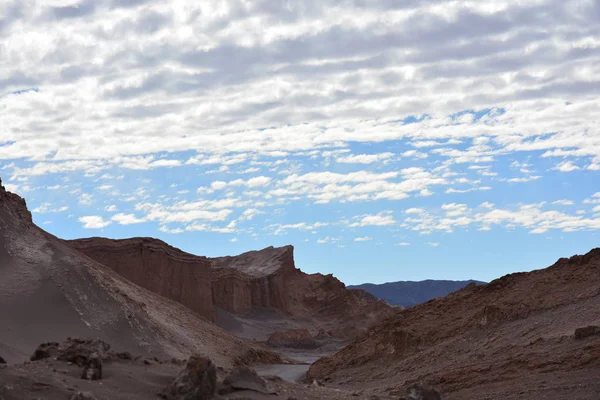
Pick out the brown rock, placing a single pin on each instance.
(79, 351)
(294, 338)
(125, 355)
(92, 370)
(244, 378)
(443, 339)
(582, 333)
(197, 381)
(45, 350)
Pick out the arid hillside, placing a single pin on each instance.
(48, 292)
(522, 336)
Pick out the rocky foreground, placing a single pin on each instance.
(87, 369)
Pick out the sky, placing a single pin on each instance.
(386, 140)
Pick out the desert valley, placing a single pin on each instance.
(162, 323)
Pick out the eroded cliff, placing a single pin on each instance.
(156, 266)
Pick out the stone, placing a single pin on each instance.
(244, 378)
(92, 370)
(45, 350)
(77, 350)
(2, 361)
(197, 381)
(125, 355)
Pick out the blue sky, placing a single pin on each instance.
(443, 140)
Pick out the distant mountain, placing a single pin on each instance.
(408, 293)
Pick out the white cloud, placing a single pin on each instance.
(566, 166)
(47, 208)
(111, 208)
(85, 199)
(93, 222)
(364, 158)
(564, 202)
(363, 239)
(383, 218)
(433, 244)
(403, 244)
(126, 219)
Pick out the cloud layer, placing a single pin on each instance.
(353, 121)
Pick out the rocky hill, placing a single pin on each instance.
(517, 337)
(259, 291)
(49, 291)
(410, 293)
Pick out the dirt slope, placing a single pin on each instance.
(510, 339)
(48, 292)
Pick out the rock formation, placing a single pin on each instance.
(198, 380)
(265, 278)
(49, 291)
(253, 279)
(514, 332)
(156, 266)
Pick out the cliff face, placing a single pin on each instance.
(156, 266)
(253, 279)
(266, 278)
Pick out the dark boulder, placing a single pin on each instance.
(243, 378)
(197, 381)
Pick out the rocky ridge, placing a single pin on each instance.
(515, 332)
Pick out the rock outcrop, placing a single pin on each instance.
(156, 266)
(253, 279)
(516, 329)
(198, 380)
(263, 279)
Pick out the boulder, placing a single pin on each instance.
(92, 369)
(197, 381)
(73, 350)
(45, 350)
(79, 351)
(125, 355)
(2, 361)
(294, 338)
(243, 378)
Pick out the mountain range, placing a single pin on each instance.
(411, 293)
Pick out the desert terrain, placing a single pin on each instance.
(254, 326)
